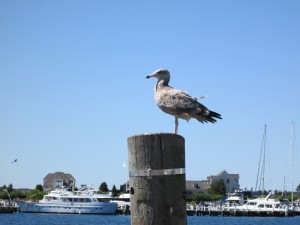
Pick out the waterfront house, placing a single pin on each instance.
(58, 179)
(231, 182)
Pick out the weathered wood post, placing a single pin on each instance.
(157, 179)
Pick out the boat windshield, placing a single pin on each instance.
(251, 203)
(103, 199)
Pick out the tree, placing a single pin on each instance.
(298, 188)
(39, 187)
(217, 187)
(35, 194)
(17, 194)
(10, 188)
(114, 191)
(4, 187)
(201, 197)
(103, 187)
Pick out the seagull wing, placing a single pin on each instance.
(179, 103)
(176, 100)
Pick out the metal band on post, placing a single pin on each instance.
(150, 172)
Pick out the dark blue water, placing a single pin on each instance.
(54, 219)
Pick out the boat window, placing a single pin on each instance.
(85, 200)
(261, 206)
(251, 203)
(88, 200)
(75, 199)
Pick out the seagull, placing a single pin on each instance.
(178, 103)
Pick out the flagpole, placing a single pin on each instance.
(16, 161)
(17, 175)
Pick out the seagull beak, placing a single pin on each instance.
(151, 75)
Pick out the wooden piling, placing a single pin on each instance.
(156, 164)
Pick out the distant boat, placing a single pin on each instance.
(264, 207)
(123, 202)
(236, 198)
(63, 201)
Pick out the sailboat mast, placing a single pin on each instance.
(261, 165)
(283, 189)
(292, 159)
(264, 160)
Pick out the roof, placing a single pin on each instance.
(59, 175)
(51, 177)
(197, 185)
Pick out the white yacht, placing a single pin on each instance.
(296, 207)
(61, 200)
(263, 207)
(235, 199)
(123, 202)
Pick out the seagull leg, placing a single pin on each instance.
(176, 125)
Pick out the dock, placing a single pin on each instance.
(8, 207)
(220, 211)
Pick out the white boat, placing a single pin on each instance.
(263, 207)
(235, 199)
(64, 201)
(296, 207)
(123, 202)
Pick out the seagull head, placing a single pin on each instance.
(161, 74)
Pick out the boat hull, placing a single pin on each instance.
(99, 208)
(258, 212)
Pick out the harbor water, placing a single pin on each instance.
(55, 219)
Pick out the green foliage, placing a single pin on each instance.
(17, 194)
(217, 188)
(3, 195)
(201, 197)
(13, 194)
(103, 187)
(35, 194)
(39, 187)
(9, 188)
(114, 191)
(31, 194)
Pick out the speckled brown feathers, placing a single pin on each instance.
(178, 103)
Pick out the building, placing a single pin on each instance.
(58, 179)
(231, 182)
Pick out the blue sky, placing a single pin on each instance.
(73, 87)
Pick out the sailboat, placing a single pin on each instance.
(263, 206)
(260, 179)
(295, 205)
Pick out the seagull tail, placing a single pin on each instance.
(205, 115)
(215, 115)
(209, 116)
